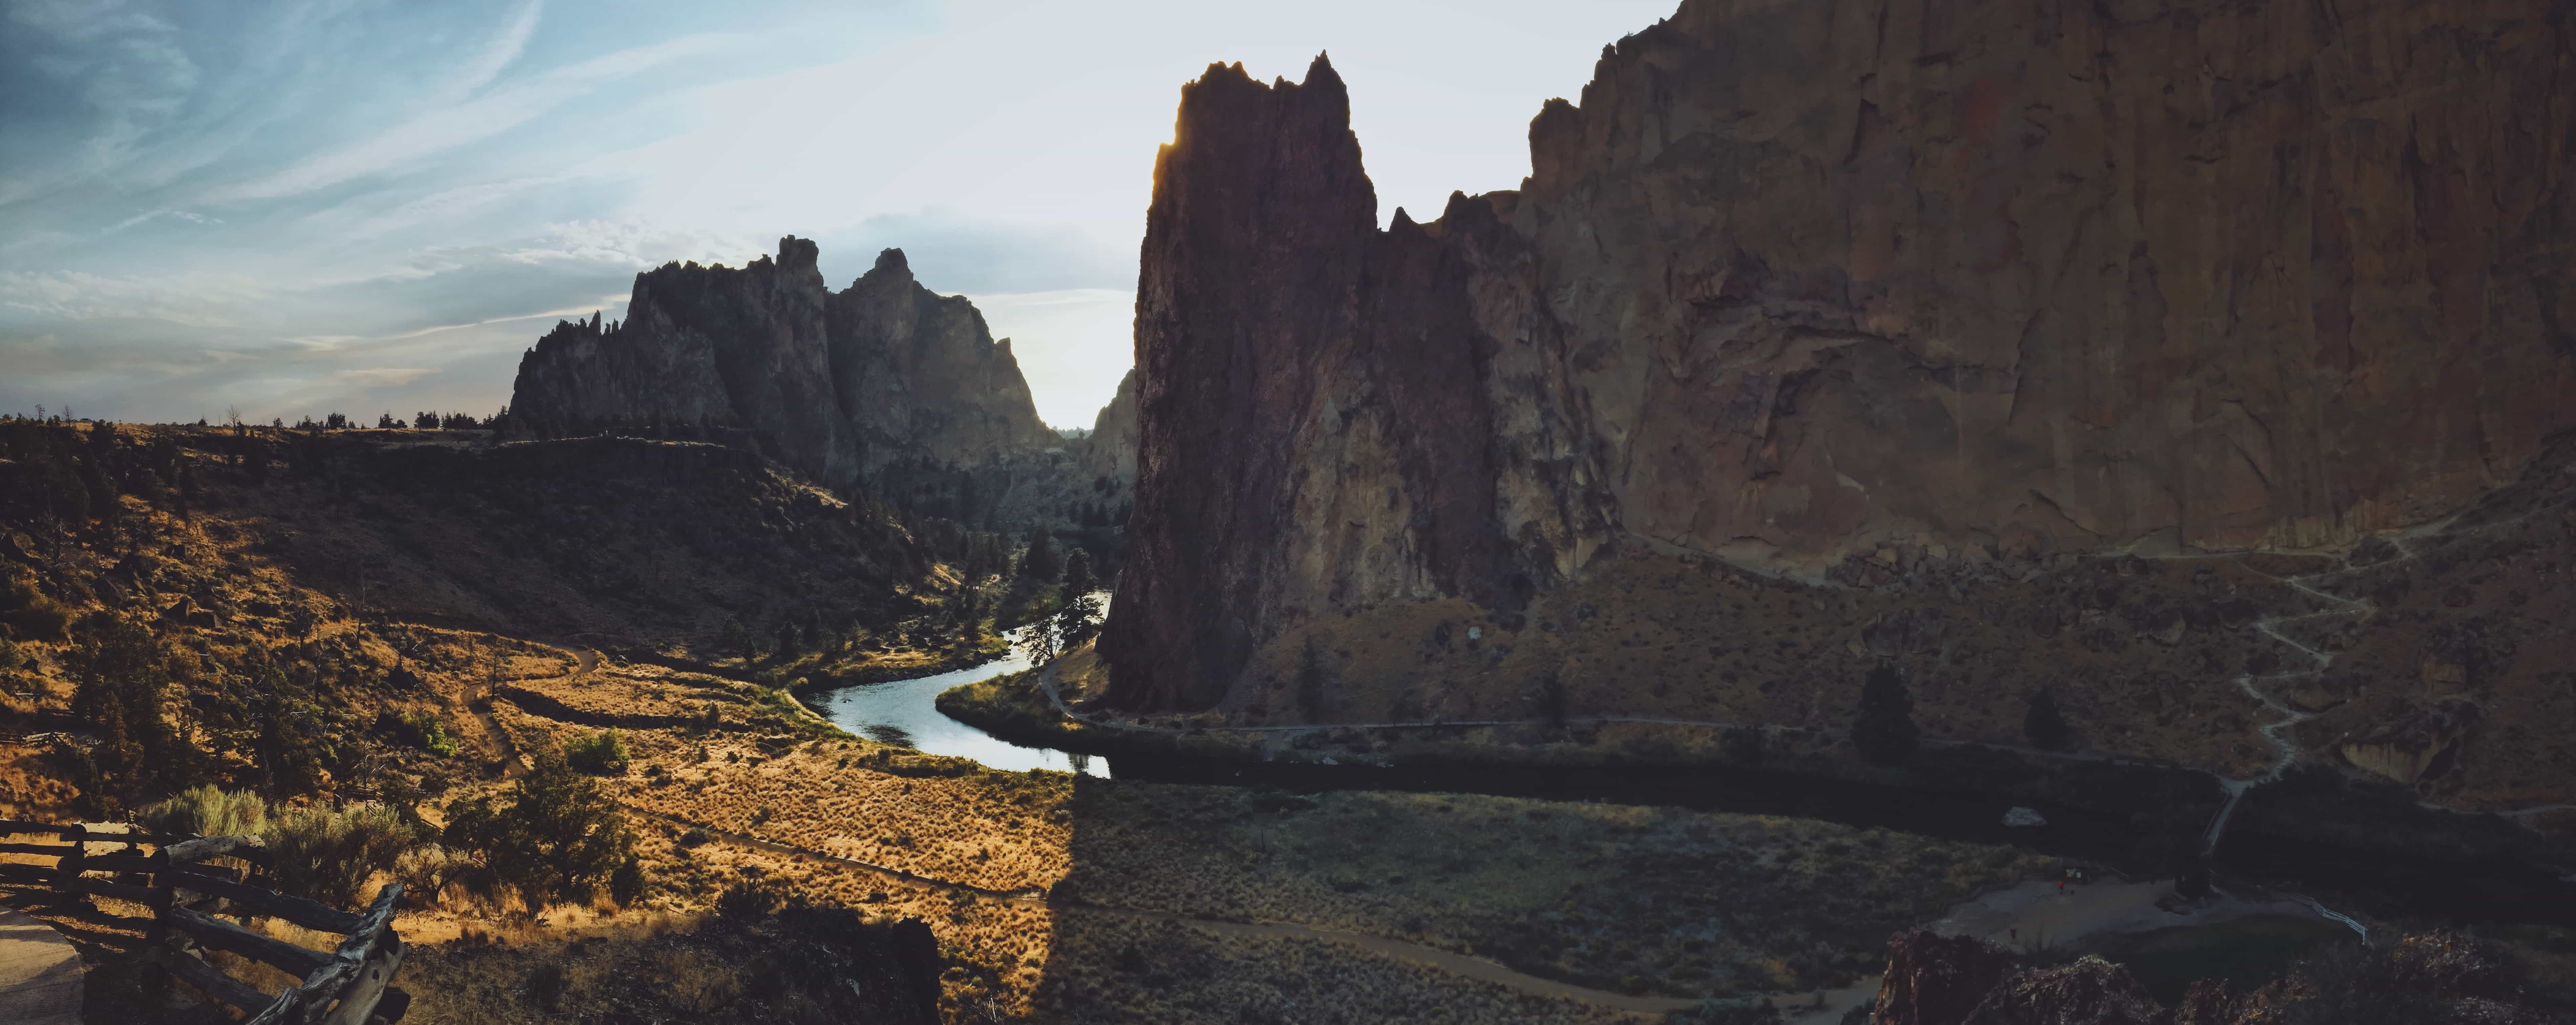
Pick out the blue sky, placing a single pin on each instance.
(294, 208)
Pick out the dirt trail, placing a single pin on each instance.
(479, 700)
(40, 973)
(2039, 912)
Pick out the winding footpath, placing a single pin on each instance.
(2265, 688)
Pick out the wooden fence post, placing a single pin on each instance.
(345, 986)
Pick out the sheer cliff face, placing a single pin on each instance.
(1855, 294)
(1257, 344)
(845, 385)
(1111, 450)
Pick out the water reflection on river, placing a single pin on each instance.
(901, 712)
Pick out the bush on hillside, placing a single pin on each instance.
(418, 729)
(557, 839)
(329, 855)
(207, 810)
(599, 754)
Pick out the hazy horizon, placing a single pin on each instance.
(299, 208)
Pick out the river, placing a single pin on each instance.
(901, 712)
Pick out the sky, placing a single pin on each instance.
(296, 208)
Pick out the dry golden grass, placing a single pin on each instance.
(1641, 899)
(29, 787)
(998, 831)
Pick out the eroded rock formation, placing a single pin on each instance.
(1933, 979)
(2018, 347)
(2421, 977)
(884, 383)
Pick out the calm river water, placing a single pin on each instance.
(901, 712)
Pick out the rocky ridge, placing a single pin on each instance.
(884, 387)
(2097, 353)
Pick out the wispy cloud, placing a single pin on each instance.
(502, 51)
(471, 121)
(127, 69)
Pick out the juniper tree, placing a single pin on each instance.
(735, 639)
(1040, 563)
(1883, 727)
(558, 839)
(1075, 623)
(2044, 724)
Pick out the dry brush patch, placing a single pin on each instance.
(1620, 897)
(1108, 967)
(1631, 898)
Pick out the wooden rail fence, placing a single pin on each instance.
(347, 985)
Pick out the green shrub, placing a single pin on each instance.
(328, 855)
(746, 901)
(205, 810)
(418, 729)
(558, 839)
(599, 754)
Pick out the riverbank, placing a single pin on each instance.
(1646, 902)
(2314, 829)
(1075, 898)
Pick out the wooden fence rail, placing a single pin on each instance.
(347, 985)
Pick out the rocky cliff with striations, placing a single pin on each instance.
(884, 384)
(2080, 350)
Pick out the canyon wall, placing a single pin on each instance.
(2023, 347)
(885, 384)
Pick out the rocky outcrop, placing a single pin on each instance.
(2420, 743)
(880, 384)
(1110, 452)
(2422, 977)
(2090, 991)
(1933, 979)
(2018, 348)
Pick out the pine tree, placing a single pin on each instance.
(1883, 727)
(1075, 622)
(1310, 682)
(1040, 563)
(2044, 724)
